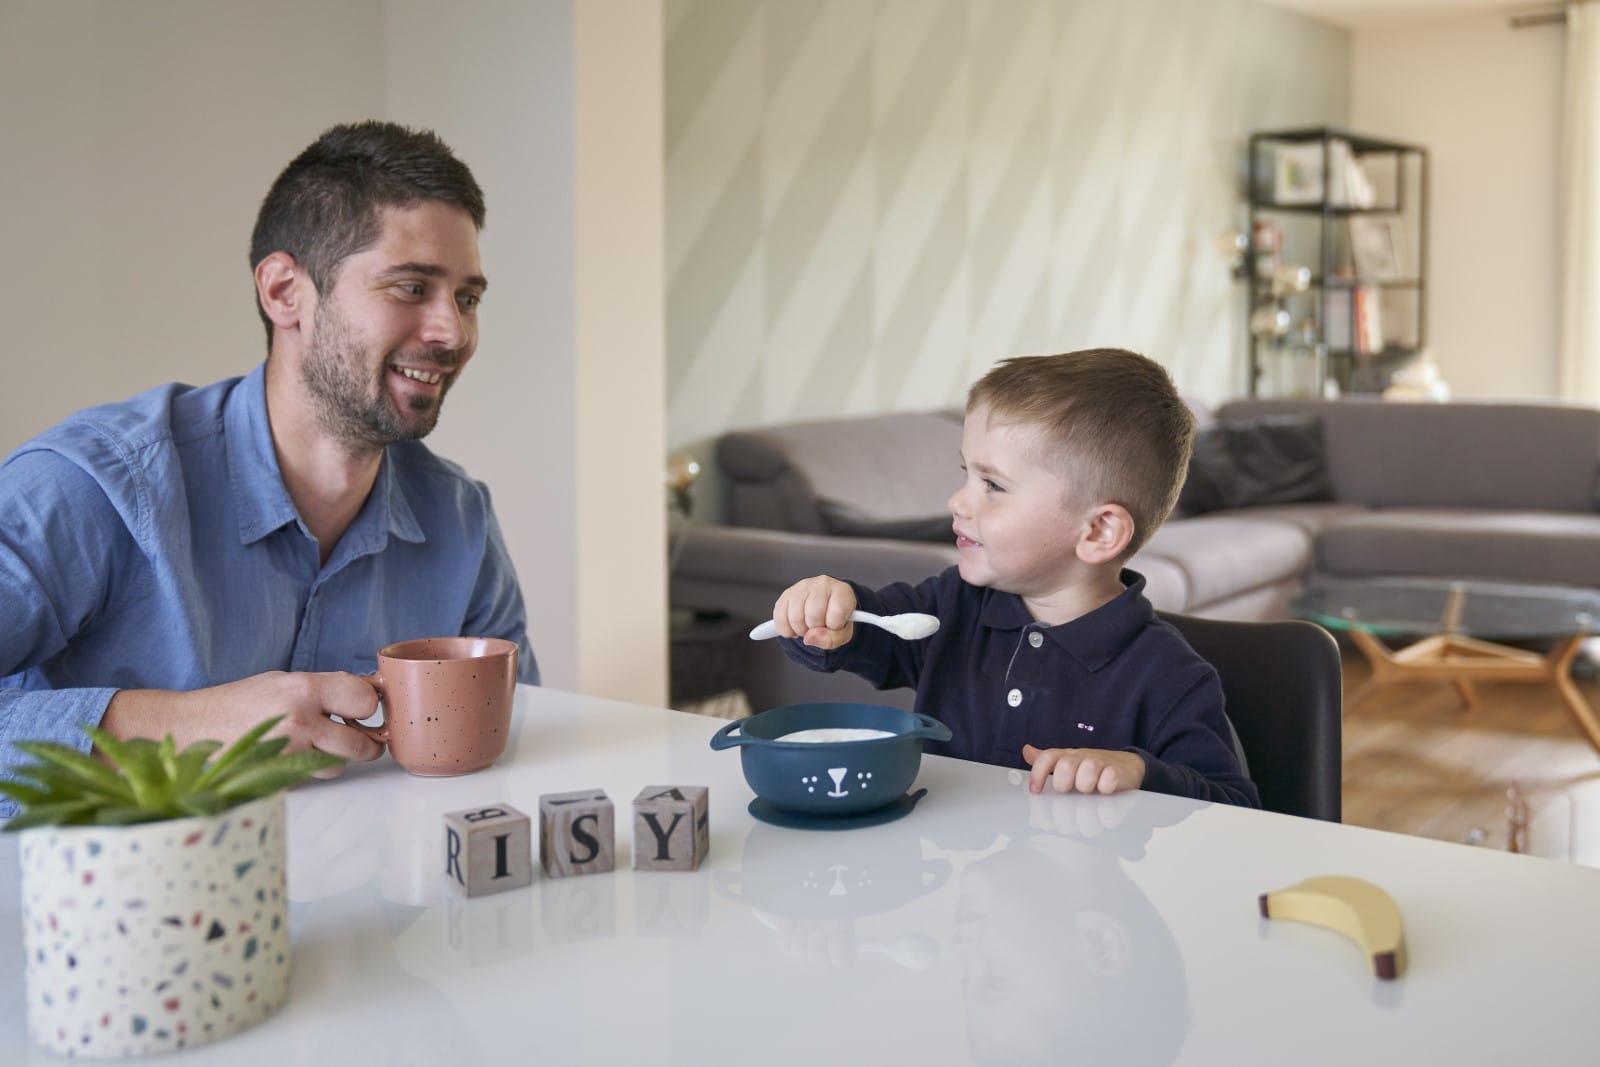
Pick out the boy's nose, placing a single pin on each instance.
(954, 504)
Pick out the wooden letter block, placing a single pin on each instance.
(488, 849)
(671, 827)
(577, 833)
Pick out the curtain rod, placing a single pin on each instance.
(1544, 18)
(1556, 16)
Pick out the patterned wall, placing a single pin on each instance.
(870, 201)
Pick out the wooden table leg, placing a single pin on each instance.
(1560, 660)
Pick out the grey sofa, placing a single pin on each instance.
(1493, 490)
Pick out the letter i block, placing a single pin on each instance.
(488, 849)
(671, 827)
(577, 833)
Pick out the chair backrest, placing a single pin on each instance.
(1284, 695)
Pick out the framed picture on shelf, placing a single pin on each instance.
(1297, 173)
(1376, 248)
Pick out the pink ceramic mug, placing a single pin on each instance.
(446, 702)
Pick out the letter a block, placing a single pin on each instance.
(577, 833)
(488, 849)
(671, 827)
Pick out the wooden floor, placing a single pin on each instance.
(1417, 762)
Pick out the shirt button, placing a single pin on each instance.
(1036, 639)
(1014, 697)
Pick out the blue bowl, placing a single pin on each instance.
(830, 777)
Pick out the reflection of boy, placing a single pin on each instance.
(1062, 954)
(1048, 655)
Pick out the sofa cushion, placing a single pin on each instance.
(1166, 585)
(1527, 546)
(845, 521)
(1537, 457)
(1312, 517)
(1274, 459)
(1222, 555)
(894, 466)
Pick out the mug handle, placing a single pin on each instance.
(380, 733)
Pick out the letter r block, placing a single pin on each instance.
(577, 833)
(671, 827)
(488, 849)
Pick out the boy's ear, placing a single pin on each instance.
(1107, 534)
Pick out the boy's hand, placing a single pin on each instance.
(1083, 770)
(816, 610)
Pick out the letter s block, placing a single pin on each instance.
(577, 833)
(671, 827)
(488, 849)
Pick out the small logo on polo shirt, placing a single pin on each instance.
(1086, 726)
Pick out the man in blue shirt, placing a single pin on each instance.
(194, 560)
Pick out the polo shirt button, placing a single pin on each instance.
(1036, 639)
(1014, 697)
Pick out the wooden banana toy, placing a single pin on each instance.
(1353, 907)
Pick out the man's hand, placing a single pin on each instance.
(1082, 770)
(224, 712)
(818, 611)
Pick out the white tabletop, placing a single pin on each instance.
(986, 926)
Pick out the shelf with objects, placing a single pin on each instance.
(1336, 261)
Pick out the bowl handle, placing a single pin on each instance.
(724, 738)
(927, 727)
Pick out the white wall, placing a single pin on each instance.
(1485, 100)
(869, 204)
(139, 140)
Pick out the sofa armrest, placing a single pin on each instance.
(742, 569)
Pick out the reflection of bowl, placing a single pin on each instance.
(830, 777)
(830, 876)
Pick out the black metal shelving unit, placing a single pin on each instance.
(1315, 234)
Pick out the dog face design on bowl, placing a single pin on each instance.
(831, 758)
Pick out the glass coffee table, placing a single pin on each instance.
(1460, 627)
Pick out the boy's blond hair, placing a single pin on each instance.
(1109, 420)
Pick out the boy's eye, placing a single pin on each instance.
(992, 485)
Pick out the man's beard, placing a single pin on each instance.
(348, 404)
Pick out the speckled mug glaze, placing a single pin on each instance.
(155, 937)
(446, 702)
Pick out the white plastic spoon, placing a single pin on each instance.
(911, 626)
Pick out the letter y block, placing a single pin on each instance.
(577, 833)
(671, 827)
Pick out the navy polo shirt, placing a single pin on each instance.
(1116, 678)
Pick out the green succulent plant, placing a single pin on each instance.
(147, 781)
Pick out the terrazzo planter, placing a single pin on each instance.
(156, 937)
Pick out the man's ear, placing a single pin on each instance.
(1106, 534)
(282, 287)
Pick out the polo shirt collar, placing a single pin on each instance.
(260, 500)
(1095, 639)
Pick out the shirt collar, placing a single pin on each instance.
(259, 497)
(1094, 639)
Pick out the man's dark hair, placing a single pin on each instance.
(325, 206)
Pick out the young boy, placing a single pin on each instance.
(1048, 655)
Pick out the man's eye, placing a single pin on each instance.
(415, 289)
(469, 301)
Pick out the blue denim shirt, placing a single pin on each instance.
(151, 544)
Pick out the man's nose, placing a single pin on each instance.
(444, 326)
